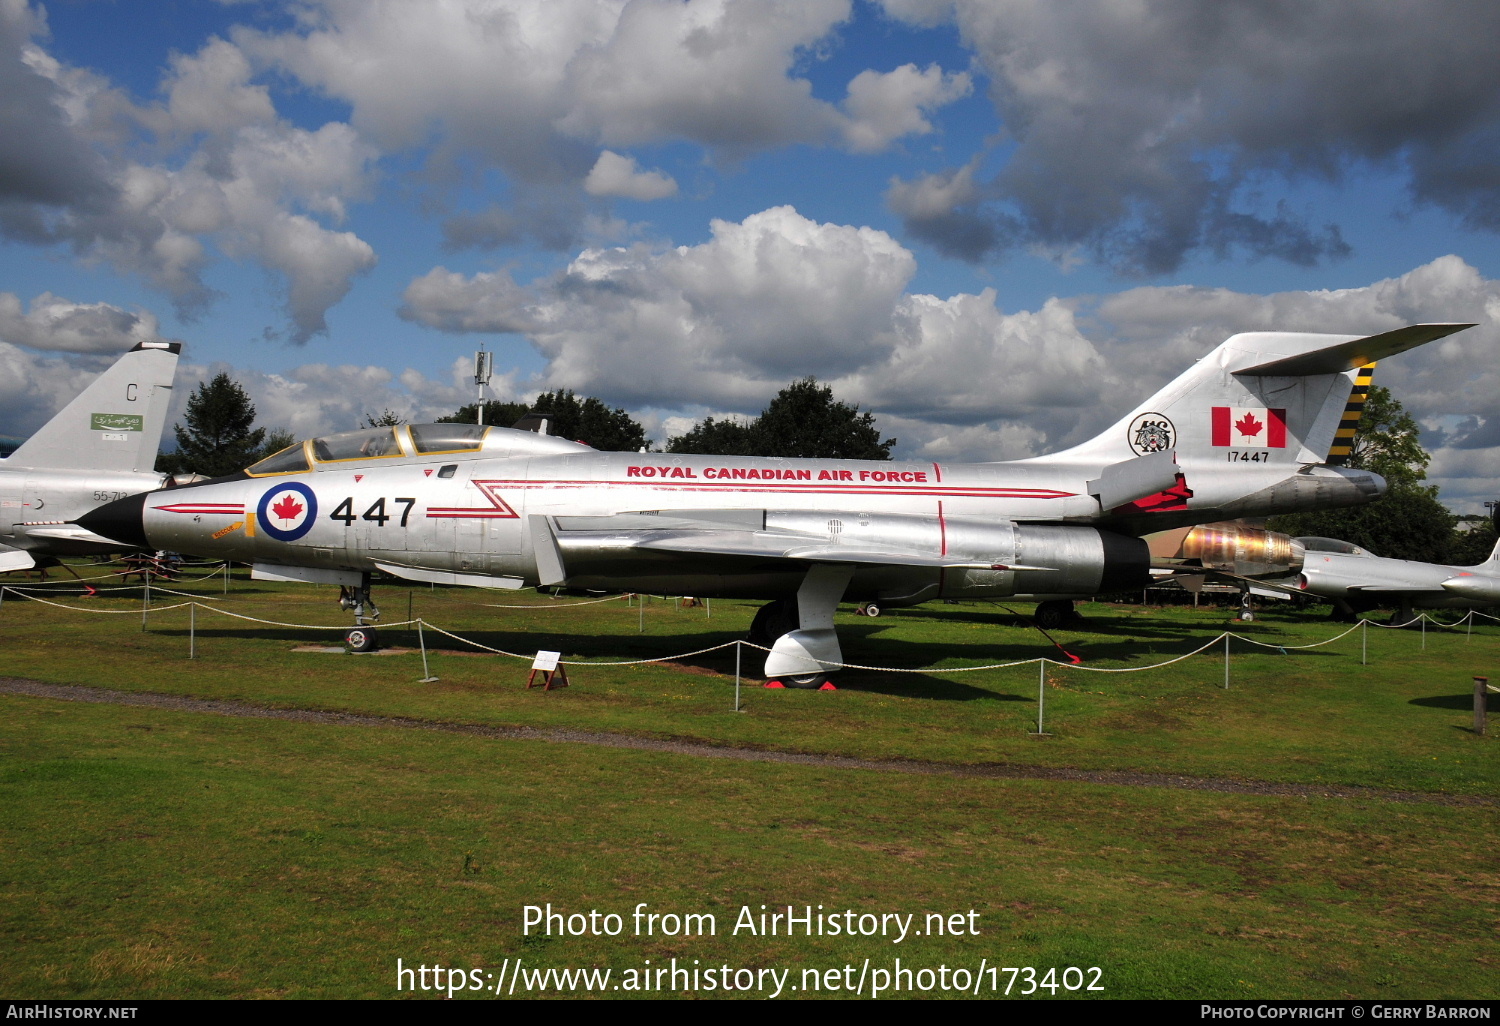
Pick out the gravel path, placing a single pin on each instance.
(997, 771)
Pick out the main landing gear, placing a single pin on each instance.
(799, 631)
(360, 638)
(1055, 613)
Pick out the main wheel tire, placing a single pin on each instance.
(1052, 614)
(773, 620)
(805, 681)
(360, 639)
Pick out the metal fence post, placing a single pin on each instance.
(145, 600)
(1481, 703)
(1041, 695)
(427, 678)
(192, 630)
(738, 648)
(1226, 660)
(1364, 641)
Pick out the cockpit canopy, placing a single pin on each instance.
(1333, 545)
(410, 441)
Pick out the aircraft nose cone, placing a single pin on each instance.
(122, 520)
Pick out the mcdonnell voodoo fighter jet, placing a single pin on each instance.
(101, 446)
(1356, 580)
(1245, 432)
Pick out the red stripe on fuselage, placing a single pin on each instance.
(203, 507)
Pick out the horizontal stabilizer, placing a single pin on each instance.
(1129, 480)
(1346, 356)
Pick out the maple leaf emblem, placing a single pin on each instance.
(1248, 425)
(287, 509)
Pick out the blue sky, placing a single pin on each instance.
(995, 224)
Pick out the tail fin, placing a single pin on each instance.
(1492, 564)
(115, 423)
(1264, 397)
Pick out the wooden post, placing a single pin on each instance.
(1481, 703)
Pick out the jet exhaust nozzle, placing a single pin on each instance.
(1233, 549)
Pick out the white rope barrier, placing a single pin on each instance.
(1223, 637)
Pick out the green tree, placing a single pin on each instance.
(386, 418)
(587, 420)
(218, 438)
(1387, 441)
(802, 420)
(711, 437)
(591, 422)
(1408, 522)
(277, 439)
(1473, 546)
(495, 413)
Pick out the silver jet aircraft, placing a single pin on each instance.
(1357, 580)
(100, 447)
(1244, 432)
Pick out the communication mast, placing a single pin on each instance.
(483, 363)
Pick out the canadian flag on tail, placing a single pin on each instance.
(1249, 427)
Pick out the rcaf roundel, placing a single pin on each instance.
(1249, 427)
(287, 511)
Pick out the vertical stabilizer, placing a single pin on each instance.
(115, 423)
(1260, 399)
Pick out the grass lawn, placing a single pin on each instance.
(158, 853)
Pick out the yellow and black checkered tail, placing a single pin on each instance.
(1343, 438)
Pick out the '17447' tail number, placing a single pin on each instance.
(344, 511)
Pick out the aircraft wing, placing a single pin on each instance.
(733, 535)
(772, 546)
(15, 559)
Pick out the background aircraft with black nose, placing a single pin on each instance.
(101, 446)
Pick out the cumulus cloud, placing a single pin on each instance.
(764, 300)
(1142, 131)
(55, 323)
(535, 86)
(220, 168)
(882, 108)
(614, 175)
(33, 387)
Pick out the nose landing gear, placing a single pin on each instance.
(360, 638)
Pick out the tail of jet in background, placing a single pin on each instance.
(1261, 398)
(1490, 565)
(113, 425)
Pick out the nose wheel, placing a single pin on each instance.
(361, 637)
